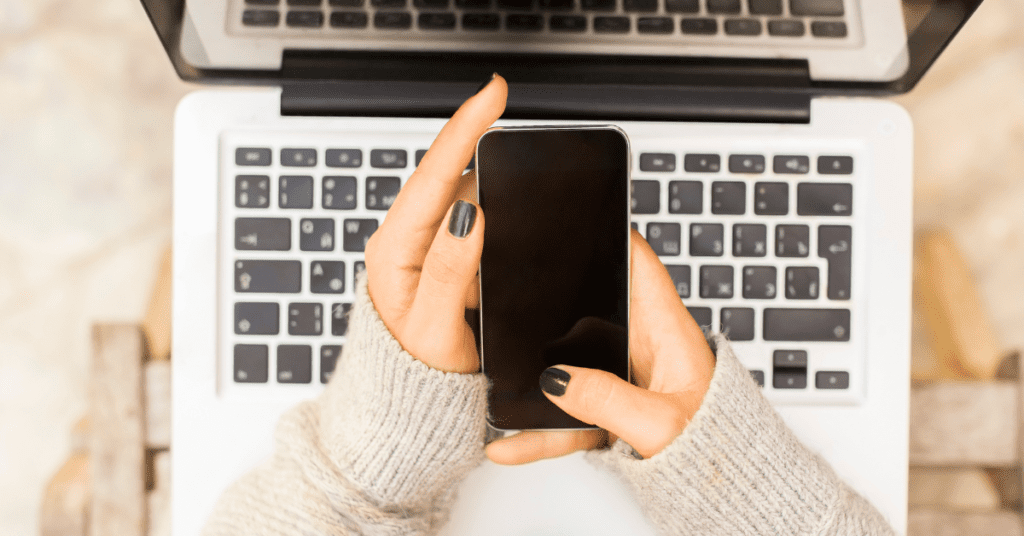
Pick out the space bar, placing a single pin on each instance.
(807, 325)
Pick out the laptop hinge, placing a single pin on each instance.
(548, 87)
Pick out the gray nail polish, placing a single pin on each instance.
(553, 381)
(462, 219)
(486, 83)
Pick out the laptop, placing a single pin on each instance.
(767, 174)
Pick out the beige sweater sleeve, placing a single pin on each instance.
(381, 451)
(384, 448)
(737, 469)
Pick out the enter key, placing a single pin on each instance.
(834, 244)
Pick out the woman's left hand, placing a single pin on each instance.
(422, 262)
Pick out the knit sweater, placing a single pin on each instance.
(386, 445)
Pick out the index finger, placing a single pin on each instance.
(414, 217)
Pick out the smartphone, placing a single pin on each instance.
(554, 273)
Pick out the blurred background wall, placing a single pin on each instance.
(86, 105)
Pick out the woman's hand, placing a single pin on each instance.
(422, 262)
(671, 364)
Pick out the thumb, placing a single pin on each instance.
(648, 421)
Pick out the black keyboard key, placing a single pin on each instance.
(473, 4)
(355, 234)
(306, 3)
(759, 282)
(419, 154)
(430, 4)
(268, 276)
(835, 165)
(792, 240)
(327, 277)
(747, 27)
(738, 323)
(699, 26)
(339, 193)
(771, 198)
(824, 199)
(758, 377)
(381, 192)
(824, 325)
(263, 234)
(791, 164)
(641, 6)
(519, 22)
(251, 363)
(832, 379)
(646, 196)
(298, 157)
(436, 21)
(655, 25)
(556, 5)
(345, 3)
(389, 158)
(344, 158)
(252, 191)
(789, 359)
(392, 20)
(598, 5)
(716, 282)
(724, 6)
(746, 163)
(385, 4)
(295, 191)
(257, 318)
(294, 363)
(347, 19)
(357, 271)
(260, 17)
(825, 8)
(252, 156)
(765, 7)
(707, 239)
(835, 243)
(682, 6)
(633, 225)
(702, 163)
(329, 354)
(304, 19)
(789, 378)
(728, 197)
(515, 5)
(828, 29)
(802, 283)
(686, 197)
(480, 21)
(305, 318)
(786, 28)
(316, 234)
(567, 23)
(749, 240)
(657, 162)
(680, 275)
(611, 24)
(339, 318)
(664, 238)
(701, 315)
(262, 2)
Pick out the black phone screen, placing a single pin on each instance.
(554, 273)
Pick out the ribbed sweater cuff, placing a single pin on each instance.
(401, 431)
(735, 469)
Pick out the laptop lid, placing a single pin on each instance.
(845, 47)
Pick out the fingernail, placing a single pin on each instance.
(553, 381)
(462, 219)
(486, 83)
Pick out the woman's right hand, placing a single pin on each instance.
(672, 367)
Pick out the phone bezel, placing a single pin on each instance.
(629, 246)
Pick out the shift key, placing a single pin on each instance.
(268, 276)
(822, 325)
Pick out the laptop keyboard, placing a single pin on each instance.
(778, 20)
(758, 243)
